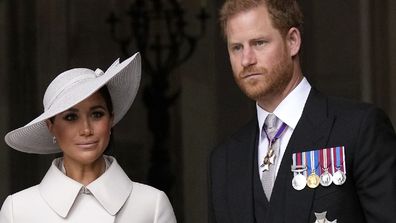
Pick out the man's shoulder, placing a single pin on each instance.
(342, 106)
(350, 112)
(351, 108)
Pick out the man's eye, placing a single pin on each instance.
(70, 117)
(237, 48)
(259, 42)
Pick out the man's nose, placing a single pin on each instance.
(248, 57)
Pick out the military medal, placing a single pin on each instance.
(269, 159)
(325, 177)
(321, 218)
(298, 168)
(319, 167)
(299, 181)
(339, 176)
(313, 179)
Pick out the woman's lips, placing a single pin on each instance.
(87, 145)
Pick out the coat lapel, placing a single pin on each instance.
(240, 172)
(312, 132)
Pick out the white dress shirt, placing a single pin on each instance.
(113, 197)
(288, 111)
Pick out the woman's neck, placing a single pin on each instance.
(84, 173)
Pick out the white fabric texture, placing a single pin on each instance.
(113, 197)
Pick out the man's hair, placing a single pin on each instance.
(284, 14)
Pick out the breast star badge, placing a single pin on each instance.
(321, 218)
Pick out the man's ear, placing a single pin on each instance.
(293, 40)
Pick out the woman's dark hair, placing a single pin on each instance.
(104, 91)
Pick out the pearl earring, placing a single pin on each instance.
(54, 140)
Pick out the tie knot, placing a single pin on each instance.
(270, 124)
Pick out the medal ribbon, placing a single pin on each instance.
(317, 169)
(333, 164)
(325, 161)
(343, 159)
(341, 154)
(328, 160)
(294, 156)
(277, 134)
(338, 158)
(312, 158)
(297, 162)
(304, 163)
(309, 161)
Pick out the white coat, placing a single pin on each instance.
(113, 197)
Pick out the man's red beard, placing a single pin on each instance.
(268, 83)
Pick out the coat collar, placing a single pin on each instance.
(111, 189)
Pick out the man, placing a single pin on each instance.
(305, 157)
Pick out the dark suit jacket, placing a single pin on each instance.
(368, 195)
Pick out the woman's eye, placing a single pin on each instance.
(70, 117)
(98, 114)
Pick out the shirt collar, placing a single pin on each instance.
(290, 109)
(111, 189)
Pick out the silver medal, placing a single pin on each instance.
(299, 181)
(339, 177)
(325, 179)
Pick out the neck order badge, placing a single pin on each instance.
(269, 159)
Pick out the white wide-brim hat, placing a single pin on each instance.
(70, 88)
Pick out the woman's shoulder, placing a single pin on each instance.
(28, 193)
(20, 201)
(144, 188)
(152, 205)
(147, 193)
(23, 198)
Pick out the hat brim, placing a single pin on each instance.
(122, 81)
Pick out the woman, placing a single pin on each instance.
(80, 108)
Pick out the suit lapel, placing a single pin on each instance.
(312, 132)
(240, 172)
